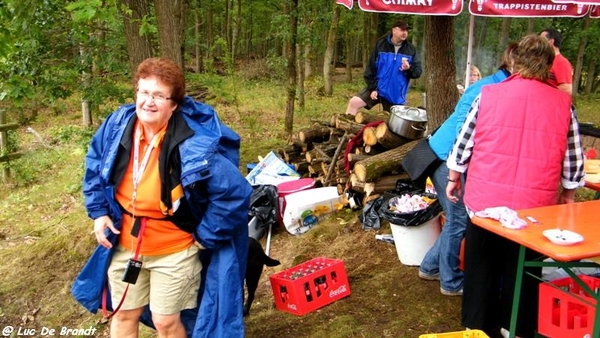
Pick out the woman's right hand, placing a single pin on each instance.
(100, 224)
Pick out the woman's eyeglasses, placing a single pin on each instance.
(157, 97)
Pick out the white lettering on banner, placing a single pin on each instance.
(337, 291)
(408, 2)
(530, 7)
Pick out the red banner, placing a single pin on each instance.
(421, 7)
(531, 8)
(581, 2)
(595, 13)
(347, 3)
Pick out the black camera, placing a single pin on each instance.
(132, 271)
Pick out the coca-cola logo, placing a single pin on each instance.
(292, 306)
(342, 289)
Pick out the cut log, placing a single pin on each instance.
(314, 134)
(378, 165)
(301, 167)
(322, 152)
(388, 138)
(355, 182)
(290, 154)
(315, 170)
(353, 158)
(375, 149)
(366, 118)
(369, 137)
(350, 127)
(369, 198)
(384, 183)
(323, 123)
(299, 144)
(341, 146)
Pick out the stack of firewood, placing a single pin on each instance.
(373, 162)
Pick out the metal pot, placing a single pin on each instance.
(408, 122)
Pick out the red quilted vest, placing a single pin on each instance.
(520, 143)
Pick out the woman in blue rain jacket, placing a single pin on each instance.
(217, 201)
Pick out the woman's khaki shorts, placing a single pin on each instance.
(169, 283)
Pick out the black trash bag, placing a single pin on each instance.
(263, 210)
(411, 218)
(370, 214)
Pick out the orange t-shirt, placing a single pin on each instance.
(160, 236)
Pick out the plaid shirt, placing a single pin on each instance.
(573, 175)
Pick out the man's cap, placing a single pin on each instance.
(401, 24)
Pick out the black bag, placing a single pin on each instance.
(411, 218)
(378, 209)
(420, 162)
(263, 207)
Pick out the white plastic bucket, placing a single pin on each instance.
(413, 242)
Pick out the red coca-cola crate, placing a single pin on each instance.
(310, 285)
(567, 311)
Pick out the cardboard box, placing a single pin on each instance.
(315, 202)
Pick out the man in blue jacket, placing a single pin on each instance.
(392, 63)
(163, 188)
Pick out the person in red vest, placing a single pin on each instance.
(561, 73)
(520, 142)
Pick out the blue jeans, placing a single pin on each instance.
(443, 257)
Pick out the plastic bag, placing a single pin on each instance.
(263, 210)
(411, 218)
(369, 217)
(373, 211)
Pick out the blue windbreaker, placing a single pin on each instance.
(210, 156)
(383, 70)
(442, 140)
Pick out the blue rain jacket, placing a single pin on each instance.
(209, 153)
(383, 70)
(442, 140)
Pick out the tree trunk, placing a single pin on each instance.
(308, 69)
(210, 36)
(237, 32)
(591, 70)
(301, 75)
(291, 9)
(579, 59)
(530, 25)
(139, 47)
(171, 23)
(199, 64)
(388, 138)
(85, 81)
(503, 40)
(350, 46)
(366, 40)
(440, 81)
(328, 59)
(386, 162)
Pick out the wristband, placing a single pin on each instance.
(451, 180)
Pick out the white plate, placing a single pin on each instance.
(563, 237)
